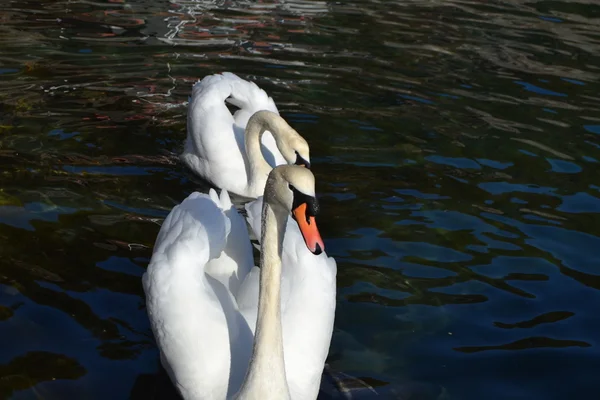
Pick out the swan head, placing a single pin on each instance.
(292, 189)
(295, 150)
(293, 147)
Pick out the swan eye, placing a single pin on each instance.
(300, 198)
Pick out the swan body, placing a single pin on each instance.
(193, 315)
(226, 329)
(237, 152)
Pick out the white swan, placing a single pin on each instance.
(308, 301)
(192, 291)
(230, 150)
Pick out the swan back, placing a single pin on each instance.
(193, 316)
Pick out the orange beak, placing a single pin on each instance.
(309, 230)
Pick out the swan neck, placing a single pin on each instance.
(259, 168)
(266, 378)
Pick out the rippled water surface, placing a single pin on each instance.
(456, 147)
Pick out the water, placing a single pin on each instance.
(456, 147)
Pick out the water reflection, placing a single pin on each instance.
(455, 145)
(32, 368)
(528, 343)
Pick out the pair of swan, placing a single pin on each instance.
(227, 329)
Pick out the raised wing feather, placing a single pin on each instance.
(214, 147)
(205, 343)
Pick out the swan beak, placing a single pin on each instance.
(301, 161)
(309, 230)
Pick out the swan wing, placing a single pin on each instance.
(247, 297)
(212, 148)
(251, 99)
(236, 260)
(205, 343)
(254, 215)
(308, 313)
(248, 97)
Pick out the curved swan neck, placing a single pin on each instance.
(259, 168)
(266, 378)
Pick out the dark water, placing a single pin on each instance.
(456, 147)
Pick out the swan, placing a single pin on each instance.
(199, 268)
(308, 293)
(229, 150)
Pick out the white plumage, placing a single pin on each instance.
(202, 288)
(215, 147)
(204, 325)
